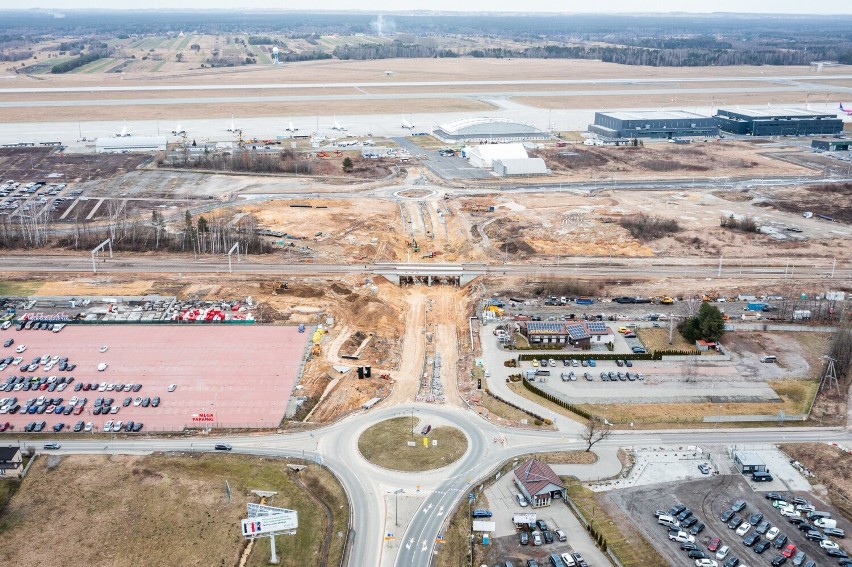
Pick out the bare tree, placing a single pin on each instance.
(595, 430)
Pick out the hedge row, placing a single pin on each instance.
(558, 401)
(587, 356)
(656, 355)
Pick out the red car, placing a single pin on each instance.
(4, 426)
(714, 544)
(789, 550)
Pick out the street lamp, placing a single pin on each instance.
(396, 498)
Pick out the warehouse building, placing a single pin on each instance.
(485, 154)
(485, 130)
(524, 167)
(769, 121)
(831, 145)
(665, 124)
(131, 144)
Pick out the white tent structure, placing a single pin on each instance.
(485, 155)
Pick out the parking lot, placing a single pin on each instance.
(707, 498)
(448, 167)
(506, 543)
(225, 376)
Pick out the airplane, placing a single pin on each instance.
(291, 128)
(336, 126)
(178, 131)
(232, 128)
(124, 133)
(844, 110)
(406, 124)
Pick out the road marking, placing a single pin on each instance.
(424, 546)
(426, 511)
(441, 511)
(408, 545)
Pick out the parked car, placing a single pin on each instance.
(732, 562)
(762, 546)
(714, 544)
(524, 538)
(789, 550)
(722, 552)
(226, 447)
(738, 505)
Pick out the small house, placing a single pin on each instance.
(11, 461)
(538, 483)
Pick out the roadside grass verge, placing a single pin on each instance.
(386, 444)
(164, 509)
(658, 339)
(622, 538)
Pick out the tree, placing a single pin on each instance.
(347, 165)
(595, 430)
(179, 56)
(708, 324)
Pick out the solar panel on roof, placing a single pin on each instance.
(597, 327)
(577, 332)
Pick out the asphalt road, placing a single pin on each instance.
(814, 269)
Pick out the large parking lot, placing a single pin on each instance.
(708, 498)
(225, 376)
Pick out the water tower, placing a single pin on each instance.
(275, 55)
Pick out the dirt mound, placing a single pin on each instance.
(303, 290)
(340, 290)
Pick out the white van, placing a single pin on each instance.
(668, 521)
(825, 523)
(768, 358)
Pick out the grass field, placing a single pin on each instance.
(386, 445)
(158, 65)
(18, 288)
(625, 541)
(796, 396)
(658, 339)
(108, 510)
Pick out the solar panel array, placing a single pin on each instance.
(543, 327)
(597, 327)
(577, 332)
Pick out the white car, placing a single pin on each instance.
(102, 366)
(173, 387)
(58, 327)
(17, 360)
(54, 359)
(73, 401)
(705, 563)
(828, 544)
(116, 426)
(45, 359)
(772, 533)
(108, 426)
(722, 552)
(682, 537)
(88, 427)
(21, 348)
(6, 325)
(568, 560)
(790, 512)
(521, 500)
(102, 387)
(743, 529)
(137, 402)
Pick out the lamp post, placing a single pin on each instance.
(396, 503)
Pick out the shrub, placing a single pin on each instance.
(643, 227)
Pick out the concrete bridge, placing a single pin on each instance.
(428, 273)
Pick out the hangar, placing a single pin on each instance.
(131, 144)
(487, 130)
(484, 155)
(770, 121)
(652, 124)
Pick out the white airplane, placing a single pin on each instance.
(844, 110)
(406, 124)
(335, 125)
(232, 128)
(178, 131)
(291, 128)
(124, 133)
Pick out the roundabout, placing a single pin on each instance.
(401, 445)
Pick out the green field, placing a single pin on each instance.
(95, 66)
(158, 65)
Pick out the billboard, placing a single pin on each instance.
(253, 527)
(258, 510)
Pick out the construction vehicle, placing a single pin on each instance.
(429, 254)
(712, 296)
(413, 244)
(338, 153)
(323, 154)
(667, 300)
(278, 286)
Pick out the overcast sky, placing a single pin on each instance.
(761, 6)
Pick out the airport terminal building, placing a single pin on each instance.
(770, 121)
(487, 131)
(665, 124)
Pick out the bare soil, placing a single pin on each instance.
(833, 468)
